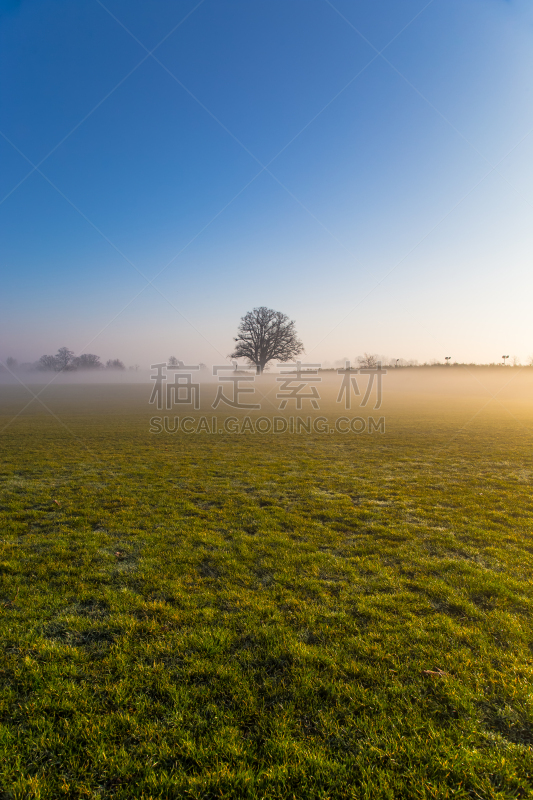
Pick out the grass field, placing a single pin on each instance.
(277, 616)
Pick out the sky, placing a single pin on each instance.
(364, 166)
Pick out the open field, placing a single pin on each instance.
(277, 616)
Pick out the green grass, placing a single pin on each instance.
(287, 616)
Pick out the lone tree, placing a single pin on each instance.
(265, 334)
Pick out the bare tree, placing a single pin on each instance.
(88, 361)
(114, 363)
(264, 335)
(368, 361)
(64, 360)
(47, 363)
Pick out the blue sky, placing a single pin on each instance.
(364, 167)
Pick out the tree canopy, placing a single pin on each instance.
(264, 335)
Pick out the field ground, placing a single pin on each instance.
(277, 616)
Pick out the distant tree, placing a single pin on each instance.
(12, 363)
(203, 366)
(172, 361)
(264, 335)
(88, 361)
(368, 361)
(47, 363)
(64, 359)
(115, 363)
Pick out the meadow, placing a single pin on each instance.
(268, 616)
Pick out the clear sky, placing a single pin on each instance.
(364, 166)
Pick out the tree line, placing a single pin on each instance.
(263, 336)
(65, 360)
